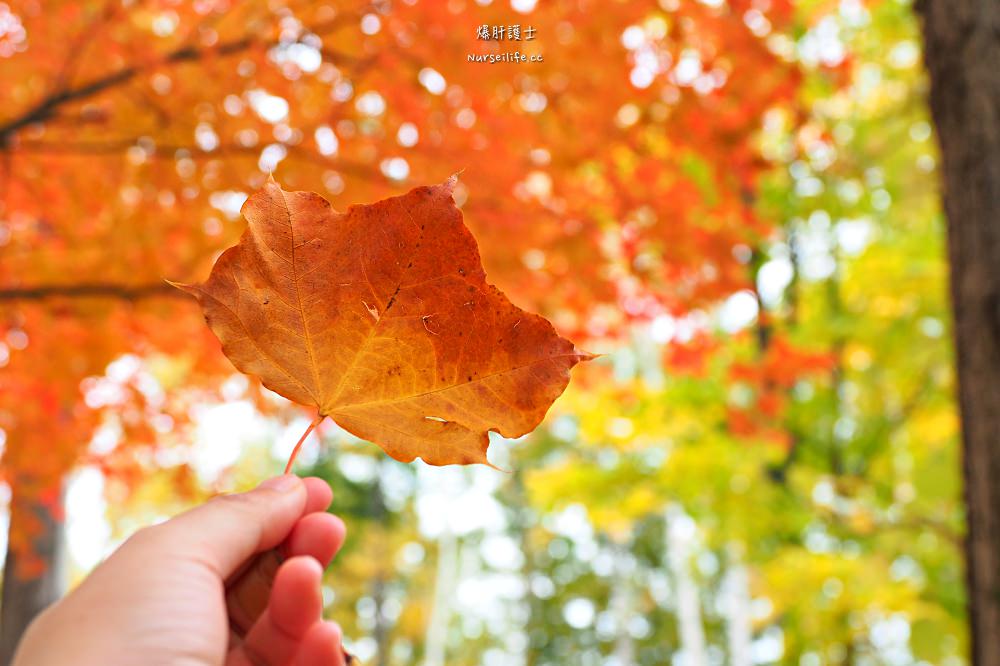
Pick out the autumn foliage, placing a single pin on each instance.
(126, 141)
(663, 161)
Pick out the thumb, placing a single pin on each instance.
(229, 529)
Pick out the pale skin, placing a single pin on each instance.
(161, 598)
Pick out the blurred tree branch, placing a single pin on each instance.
(92, 290)
(47, 107)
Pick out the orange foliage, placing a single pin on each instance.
(620, 171)
(771, 377)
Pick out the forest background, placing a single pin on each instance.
(735, 201)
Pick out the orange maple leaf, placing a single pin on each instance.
(382, 318)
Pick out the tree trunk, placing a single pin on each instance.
(436, 639)
(623, 606)
(521, 519)
(962, 52)
(679, 552)
(26, 595)
(381, 630)
(738, 629)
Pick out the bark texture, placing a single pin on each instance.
(962, 52)
(25, 596)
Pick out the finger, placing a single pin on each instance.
(248, 594)
(296, 605)
(238, 657)
(296, 600)
(226, 531)
(318, 494)
(318, 498)
(321, 646)
(318, 535)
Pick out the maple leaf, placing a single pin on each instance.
(382, 318)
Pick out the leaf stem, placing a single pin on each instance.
(291, 459)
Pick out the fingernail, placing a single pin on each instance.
(282, 483)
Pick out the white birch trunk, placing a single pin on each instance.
(680, 541)
(738, 629)
(436, 640)
(622, 600)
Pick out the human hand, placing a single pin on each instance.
(206, 588)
